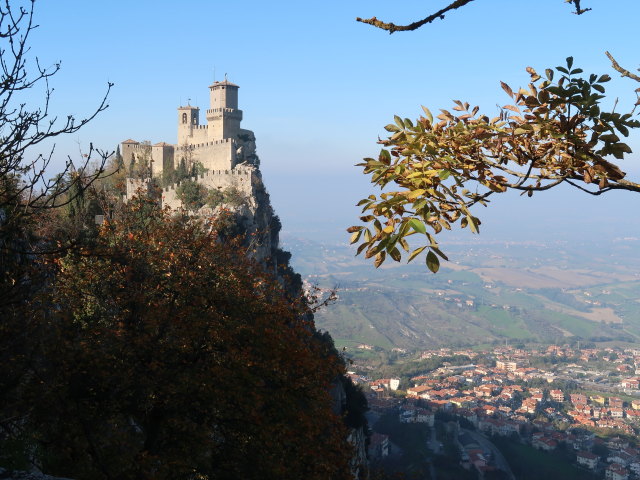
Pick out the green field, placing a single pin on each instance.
(405, 306)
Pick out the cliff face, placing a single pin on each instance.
(228, 188)
(254, 218)
(258, 221)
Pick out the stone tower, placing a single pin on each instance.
(223, 116)
(188, 120)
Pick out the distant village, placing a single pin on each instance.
(585, 401)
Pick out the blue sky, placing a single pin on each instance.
(317, 88)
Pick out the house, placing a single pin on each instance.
(630, 383)
(557, 395)
(388, 383)
(409, 414)
(506, 365)
(578, 399)
(620, 457)
(418, 391)
(617, 412)
(633, 415)
(425, 416)
(544, 443)
(616, 472)
(615, 402)
(587, 459)
(635, 468)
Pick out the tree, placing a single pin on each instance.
(193, 195)
(554, 132)
(26, 194)
(25, 190)
(175, 356)
(23, 185)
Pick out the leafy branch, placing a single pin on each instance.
(550, 133)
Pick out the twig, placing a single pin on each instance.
(625, 73)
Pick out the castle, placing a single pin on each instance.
(224, 152)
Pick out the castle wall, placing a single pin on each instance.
(162, 157)
(243, 178)
(133, 151)
(193, 134)
(219, 155)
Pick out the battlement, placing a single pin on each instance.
(241, 177)
(214, 142)
(223, 110)
(138, 146)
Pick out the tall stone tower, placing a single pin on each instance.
(223, 116)
(188, 120)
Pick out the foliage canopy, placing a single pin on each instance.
(172, 355)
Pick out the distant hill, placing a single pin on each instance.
(489, 293)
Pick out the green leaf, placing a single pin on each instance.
(623, 130)
(473, 224)
(428, 114)
(610, 137)
(355, 237)
(432, 262)
(417, 225)
(569, 62)
(415, 193)
(415, 253)
(398, 121)
(623, 147)
(439, 252)
(361, 248)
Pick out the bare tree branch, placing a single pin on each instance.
(392, 27)
(625, 73)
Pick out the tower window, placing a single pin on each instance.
(184, 118)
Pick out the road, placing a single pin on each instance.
(498, 458)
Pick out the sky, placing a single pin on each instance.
(317, 87)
